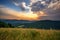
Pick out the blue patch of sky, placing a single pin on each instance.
(9, 4)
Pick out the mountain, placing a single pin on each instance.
(43, 24)
(15, 22)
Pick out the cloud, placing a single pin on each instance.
(53, 11)
(33, 1)
(33, 5)
(23, 6)
(27, 8)
(7, 13)
(38, 6)
(16, 4)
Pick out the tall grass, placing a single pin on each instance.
(28, 34)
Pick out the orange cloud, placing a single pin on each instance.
(12, 14)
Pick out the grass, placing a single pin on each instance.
(28, 34)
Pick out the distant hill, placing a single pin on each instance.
(15, 22)
(43, 24)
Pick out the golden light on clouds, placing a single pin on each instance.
(12, 14)
(40, 13)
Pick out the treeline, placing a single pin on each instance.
(5, 25)
(45, 24)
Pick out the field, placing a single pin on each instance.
(28, 34)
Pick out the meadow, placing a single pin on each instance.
(28, 34)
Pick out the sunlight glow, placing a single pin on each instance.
(12, 14)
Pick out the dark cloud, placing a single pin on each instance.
(41, 5)
(53, 11)
(37, 6)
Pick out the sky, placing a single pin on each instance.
(11, 3)
(30, 9)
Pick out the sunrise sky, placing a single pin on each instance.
(30, 9)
